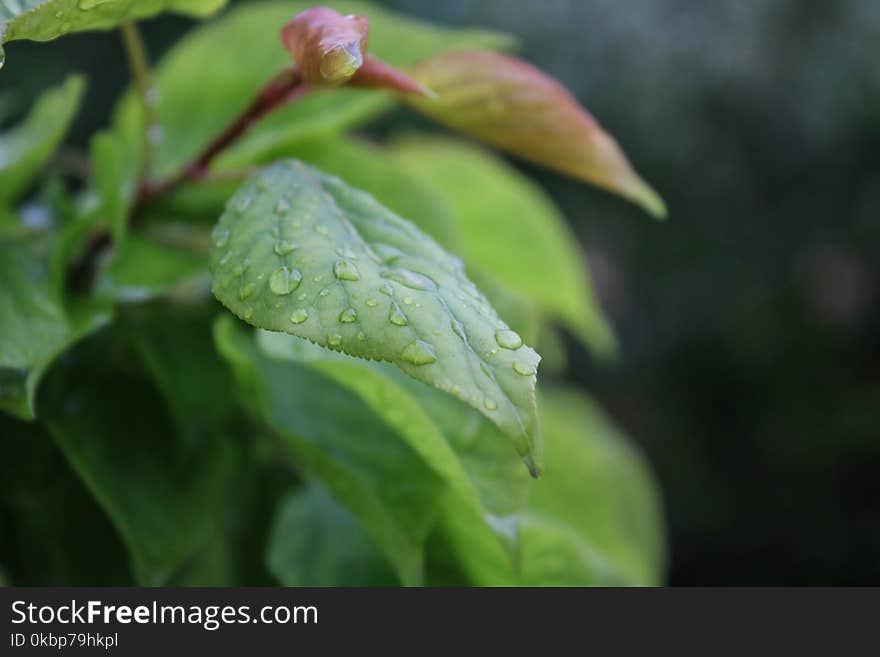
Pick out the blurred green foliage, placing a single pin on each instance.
(175, 445)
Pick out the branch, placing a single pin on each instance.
(282, 88)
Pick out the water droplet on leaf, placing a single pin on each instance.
(396, 316)
(490, 404)
(419, 353)
(348, 315)
(299, 316)
(283, 247)
(522, 368)
(246, 290)
(410, 279)
(508, 339)
(334, 340)
(222, 239)
(284, 280)
(371, 303)
(346, 271)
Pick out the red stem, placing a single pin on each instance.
(282, 88)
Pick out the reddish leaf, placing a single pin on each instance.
(327, 47)
(515, 107)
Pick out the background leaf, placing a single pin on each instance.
(44, 20)
(595, 518)
(52, 533)
(470, 453)
(25, 148)
(337, 439)
(302, 252)
(144, 269)
(164, 489)
(316, 542)
(512, 105)
(512, 230)
(35, 324)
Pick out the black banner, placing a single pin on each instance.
(128, 621)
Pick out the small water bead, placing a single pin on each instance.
(387, 255)
(458, 328)
(241, 203)
(371, 303)
(419, 352)
(247, 290)
(317, 278)
(347, 252)
(486, 370)
(508, 339)
(302, 296)
(325, 292)
(346, 271)
(490, 404)
(241, 267)
(408, 300)
(410, 279)
(221, 239)
(396, 316)
(284, 280)
(523, 369)
(387, 290)
(334, 339)
(283, 247)
(348, 316)
(282, 206)
(361, 336)
(299, 316)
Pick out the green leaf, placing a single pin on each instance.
(337, 438)
(301, 252)
(44, 20)
(316, 542)
(143, 269)
(213, 72)
(512, 230)
(25, 148)
(593, 520)
(164, 489)
(42, 506)
(35, 325)
(470, 453)
(370, 168)
(598, 502)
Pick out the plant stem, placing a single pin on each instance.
(138, 62)
(284, 87)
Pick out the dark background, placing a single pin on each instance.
(750, 321)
